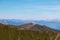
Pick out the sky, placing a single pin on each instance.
(30, 9)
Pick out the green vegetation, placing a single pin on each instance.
(11, 33)
(36, 35)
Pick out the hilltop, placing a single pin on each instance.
(36, 27)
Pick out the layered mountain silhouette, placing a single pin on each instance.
(31, 26)
(53, 24)
(29, 31)
(36, 27)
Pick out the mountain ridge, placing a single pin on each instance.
(53, 24)
(32, 26)
(11, 32)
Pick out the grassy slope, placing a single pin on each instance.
(36, 35)
(7, 33)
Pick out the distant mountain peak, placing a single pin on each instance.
(27, 26)
(32, 26)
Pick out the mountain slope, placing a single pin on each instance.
(9, 32)
(31, 26)
(53, 24)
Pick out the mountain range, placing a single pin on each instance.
(36, 27)
(53, 24)
(29, 31)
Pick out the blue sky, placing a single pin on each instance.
(30, 9)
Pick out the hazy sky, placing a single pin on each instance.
(30, 9)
